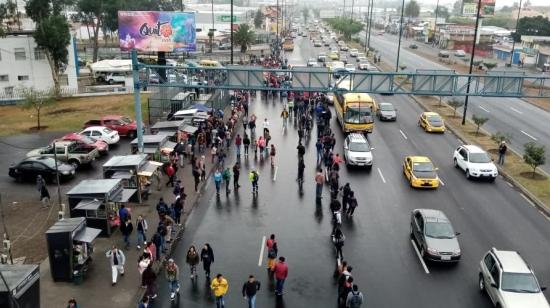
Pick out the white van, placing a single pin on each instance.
(188, 115)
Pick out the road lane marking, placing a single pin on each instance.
(403, 134)
(420, 257)
(526, 134)
(515, 110)
(481, 107)
(441, 181)
(527, 199)
(509, 184)
(381, 175)
(262, 246)
(275, 174)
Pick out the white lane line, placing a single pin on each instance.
(527, 199)
(275, 175)
(515, 110)
(509, 184)
(262, 246)
(420, 258)
(403, 134)
(484, 109)
(381, 175)
(526, 134)
(441, 181)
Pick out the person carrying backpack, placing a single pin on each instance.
(355, 298)
(227, 178)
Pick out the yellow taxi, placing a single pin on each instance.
(431, 122)
(420, 172)
(333, 56)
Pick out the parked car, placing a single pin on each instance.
(101, 133)
(386, 112)
(311, 62)
(475, 162)
(353, 52)
(123, 125)
(443, 54)
(357, 151)
(361, 58)
(225, 46)
(434, 236)
(67, 151)
(115, 77)
(509, 281)
(460, 53)
(413, 46)
(29, 168)
(101, 146)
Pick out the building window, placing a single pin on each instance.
(64, 80)
(23, 77)
(39, 54)
(20, 54)
(4, 78)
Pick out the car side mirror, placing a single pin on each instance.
(543, 288)
(436, 169)
(494, 285)
(457, 233)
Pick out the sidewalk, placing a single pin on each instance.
(96, 289)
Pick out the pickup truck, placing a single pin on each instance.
(123, 125)
(70, 152)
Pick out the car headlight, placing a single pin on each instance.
(432, 251)
(474, 171)
(457, 252)
(65, 172)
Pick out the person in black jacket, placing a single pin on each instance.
(346, 190)
(249, 291)
(126, 228)
(207, 258)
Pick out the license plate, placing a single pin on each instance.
(446, 258)
(360, 164)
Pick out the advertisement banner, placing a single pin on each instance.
(156, 31)
(469, 7)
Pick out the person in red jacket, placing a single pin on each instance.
(281, 272)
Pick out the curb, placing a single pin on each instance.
(532, 198)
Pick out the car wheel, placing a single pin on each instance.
(468, 176)
(481, 283)
(455, 163)
(75, 163)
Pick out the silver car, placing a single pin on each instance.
(434, 236)
(357, 151)
(386, 112)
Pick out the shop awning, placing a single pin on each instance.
(87, 235)
(150, 150)
(168, 146)
(87, 204)
(126, 194)
(125, 175)
(149, 168)
(189, 129)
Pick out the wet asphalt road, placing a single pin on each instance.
(386, 267)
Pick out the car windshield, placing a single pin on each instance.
(50, 162)
(359, 147)
(107, 130)
(423, 167)
(439, 230)
(126, 120)
(520, 283)
(358, 115)
(386, 107)
(435, 120)
(479, 158)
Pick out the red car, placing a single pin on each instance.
(101, 146)
(123, 125)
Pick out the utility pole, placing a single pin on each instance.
(6, 234)
(57, 177)
(435, 22)
(513, 39)
(370, 18)
(352, 4)
(231, 17)
(471, 64)
(400, 34)
(344, 11)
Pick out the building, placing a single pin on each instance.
(460, 37)
(536, 50)
(23, 64)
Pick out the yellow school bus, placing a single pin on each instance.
(355, 111)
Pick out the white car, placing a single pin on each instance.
(311, 62)
(106, 134)
(353, 52)
(350, 68)
(460, 53)
(361, 59)
(357, 151)
(475, 162)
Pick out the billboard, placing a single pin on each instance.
(469, 7)
(156, 31)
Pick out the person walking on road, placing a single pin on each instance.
(227, 179)
(265, 126)
(238, 144)
(218, 181)
(502, 148)
(236, 175)
(354, 298)
(352, 203)
(141, 230)
(43, 190)
(148, 279)
(254, 177)
(281, 272)
(72, 303)
(126, 229)
(250, 288)
(196, 177)
(246, 144)
(319, 148)
(338, 239)
(346, 190)
(301, 167)
(272, 251)
(319, 182)
(284, 115)
(207, 258)
(219, 286)
(192, 259)
(117, 260)
(144, 303)
(172, 272)
(301, 151)
(272, 154)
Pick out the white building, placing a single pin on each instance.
(22, 64)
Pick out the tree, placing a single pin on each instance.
(94, 12)
(534, 155)
(457, 8)
(412, 9)
(498, 137)
(490, 65)
(538, 26)
(244, 36)
(455, 104)
(479, 121)
(442, 12)
(347, 26)
(9, 17)
(258, 19)
(500, 21)
(37, 100)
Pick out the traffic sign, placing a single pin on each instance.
(227, 18)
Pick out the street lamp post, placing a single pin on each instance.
(352, 5)
(400, 34)
(231, 35)
(471, 64)
(513, 39)
(435, 22)
(370, 19)
(277, 25)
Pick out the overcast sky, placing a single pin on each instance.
(499, 3)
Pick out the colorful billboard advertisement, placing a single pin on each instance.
(156, 31)
(469, 7)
